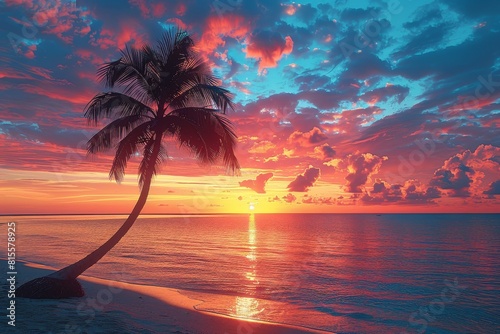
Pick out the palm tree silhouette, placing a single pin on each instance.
(167, 91)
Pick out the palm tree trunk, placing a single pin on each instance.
(76, 269)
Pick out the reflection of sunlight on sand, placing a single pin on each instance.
(247, 306)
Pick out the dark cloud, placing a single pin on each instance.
(359, 14)
(416, 193)
(268, 47)
(324, 152)
(473, 10)
(444, 63)
(462, 174)
(259, 184)
(424, 17)
(366, 65)
(412, 192)
(304, 181)
(384, 93)
(362, 166)
(493, 189)
(457, 180)
(425, 40)
(378, 187)
(310, 81)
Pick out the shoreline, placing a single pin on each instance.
(134, 308)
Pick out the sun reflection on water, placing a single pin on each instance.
(248, 306)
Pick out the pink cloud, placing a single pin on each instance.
(130, 33)
(218, 28)
(289, 198)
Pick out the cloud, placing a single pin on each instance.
(462, 174)
(261, 147)
(320, 200)
(259, 184)
(219, 28)
(361, 166)
(289, 198)
(309, 138)
(456, 179)
(60, 18)
(418, 193)
(412, 192)
(324, 152)
(130, 33)
(268, 47)
(149, 9)
(493, 189)
(304, 181)
(378, 187)
(274, 199)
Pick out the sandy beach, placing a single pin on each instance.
(117, 307)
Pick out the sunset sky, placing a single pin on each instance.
(341, 106)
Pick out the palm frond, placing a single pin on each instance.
(175, 48)
(206, 133)
(127, 147)
(204, 95)
(131, 72)
(174, 77)
(113, 104)
(112, 133)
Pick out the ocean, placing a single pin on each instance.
(344, 273)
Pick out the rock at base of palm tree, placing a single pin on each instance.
(50, 288)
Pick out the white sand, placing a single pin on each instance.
(116, 307)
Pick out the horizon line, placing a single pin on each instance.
(246, 213)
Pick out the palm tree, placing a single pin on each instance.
(167, 91)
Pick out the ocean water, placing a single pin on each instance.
(419, 273)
